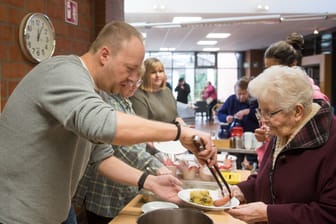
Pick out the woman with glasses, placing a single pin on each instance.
(289, 53)
(296, 181)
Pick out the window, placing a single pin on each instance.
(197, 68)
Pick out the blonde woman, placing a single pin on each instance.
(154, 100)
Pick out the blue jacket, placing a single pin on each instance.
(232, 106)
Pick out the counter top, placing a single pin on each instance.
(241, 151)
(130, 213)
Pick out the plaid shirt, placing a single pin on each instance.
(103, 196)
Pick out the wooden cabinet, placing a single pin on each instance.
(318, 67)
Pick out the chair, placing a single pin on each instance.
(201, 107)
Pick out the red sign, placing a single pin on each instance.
(71, 12)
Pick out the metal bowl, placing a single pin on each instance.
(175, 216)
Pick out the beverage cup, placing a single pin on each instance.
(248, 140)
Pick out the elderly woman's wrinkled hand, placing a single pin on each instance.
(250, 213)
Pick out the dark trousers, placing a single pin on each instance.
(210, 106)
(93, 218)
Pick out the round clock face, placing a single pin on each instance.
(37, 37)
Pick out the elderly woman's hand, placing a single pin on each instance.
(237, 193)
(250, 213)
(262, 133)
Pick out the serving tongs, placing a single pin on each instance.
(198, 142)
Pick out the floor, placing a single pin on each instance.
(201, 123)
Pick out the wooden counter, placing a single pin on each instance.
(240, 151)
(223, 145)
(130, 213)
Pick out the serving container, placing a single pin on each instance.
(174, 216)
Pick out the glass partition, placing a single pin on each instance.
(220, 68)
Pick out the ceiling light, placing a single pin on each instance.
(303, 17)
(167, 49)
(167, 25)
(261, 7)
(215, 21)
(178, 19)
(160, 7)
(218, 35)
(316, 31)
(210, 49)
(207, 42)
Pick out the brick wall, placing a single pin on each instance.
(70, 39)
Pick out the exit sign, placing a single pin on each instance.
(71, 12)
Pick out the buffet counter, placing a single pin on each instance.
(130, 213)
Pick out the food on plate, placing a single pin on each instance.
(201, 197)
(226, 165)
(222, 201)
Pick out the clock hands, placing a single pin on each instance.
(39, 32)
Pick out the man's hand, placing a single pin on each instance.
(165, 187)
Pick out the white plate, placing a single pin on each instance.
(171, 147)
(153, 205)
(184, 195)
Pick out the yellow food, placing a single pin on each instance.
(201, 197)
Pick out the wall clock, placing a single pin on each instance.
(37, 37)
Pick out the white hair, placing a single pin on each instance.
(283, 86)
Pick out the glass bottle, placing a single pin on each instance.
(223, 131)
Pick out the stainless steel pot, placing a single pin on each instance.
(174, 216)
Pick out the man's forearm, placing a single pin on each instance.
(134, 129)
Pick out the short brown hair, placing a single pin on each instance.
(113, 34)
(242, 83)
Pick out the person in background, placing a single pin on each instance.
(168, 85)
(210, 96)
(289, 52)
(242, 107)
(296, 182)
(101, 197)
(285, 52)
(183, 91)
(153, 100)
(66, 116)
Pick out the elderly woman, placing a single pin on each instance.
(296, 182)
(285, 52)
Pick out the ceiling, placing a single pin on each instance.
(252, 29)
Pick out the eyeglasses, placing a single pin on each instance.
(266, 116)
(132, 83)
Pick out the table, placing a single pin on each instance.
(241, 151)
(223, 145)
(130, 213)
